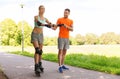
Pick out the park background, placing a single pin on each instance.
(96, 30)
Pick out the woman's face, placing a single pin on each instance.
(42, 10)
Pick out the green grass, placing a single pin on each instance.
(93, 62)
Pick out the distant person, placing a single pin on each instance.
(66, 25)
(37, 38)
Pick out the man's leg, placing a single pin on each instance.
(60, 52)
(63, 56)
(66, 46)
(60, 60)
(60, 57)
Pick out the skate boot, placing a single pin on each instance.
(40, 66)
(64, 67)
(37, 70)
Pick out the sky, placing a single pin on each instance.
(89, 16)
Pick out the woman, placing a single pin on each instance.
(37, 38)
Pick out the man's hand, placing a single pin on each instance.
(68, 27)
(60, 25)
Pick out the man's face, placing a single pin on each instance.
(66, 14)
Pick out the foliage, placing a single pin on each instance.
(50, 41)
(27, 33)
(11, 33)
(80, 39)
(108, 38)
(91, 39)
(8, 31)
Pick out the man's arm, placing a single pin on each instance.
(69, 27)
(56, 25)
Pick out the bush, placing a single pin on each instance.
(50, 41)
(80, 39)
(108, 38)
(91, 39)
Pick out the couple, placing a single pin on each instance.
(63, 39)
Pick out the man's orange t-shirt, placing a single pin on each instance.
(64, 32)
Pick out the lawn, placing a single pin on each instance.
(104, 58)
(106, 50)
(92, 62)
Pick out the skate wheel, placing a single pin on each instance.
(37, 74)
(42, 70)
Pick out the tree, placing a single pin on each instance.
(91, 38)
(27, 33)
(73, 41)
(7, 32)
(11, 33)
(80, 39)
(118, 39)
(108, 38)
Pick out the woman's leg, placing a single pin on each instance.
(36, 58)
(40, 58)
(40, 47)
(36, 55)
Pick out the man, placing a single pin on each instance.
(66, 25)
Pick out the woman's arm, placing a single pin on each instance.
(53, 26)
(37, 22)
(35, 19)
(47, 21)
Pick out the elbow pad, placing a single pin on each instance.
(39, 23)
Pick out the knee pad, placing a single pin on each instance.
(38, 51)
(41, 52)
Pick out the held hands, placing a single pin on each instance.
(60, 25)
(52, 26)
(64, 25)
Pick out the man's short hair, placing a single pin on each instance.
(67, 9)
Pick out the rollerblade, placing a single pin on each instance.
(65, 68)
(41, 68)
(37, 70)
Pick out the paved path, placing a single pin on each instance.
(20, 67)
